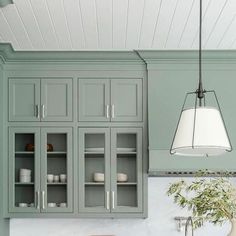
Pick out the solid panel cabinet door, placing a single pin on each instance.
(24, 99)
(56, 170)
(56, 99)
(93, 100)
(94, 169)
(24, 170)
(126, 100)
(126, 170)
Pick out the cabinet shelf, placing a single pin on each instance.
(20, 184)
(101, 154)
(126, 153)
(24, 152)
(56, 153)
(126, 183)
(94, 183)
(56, 184)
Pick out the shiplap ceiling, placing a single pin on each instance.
(117, 24)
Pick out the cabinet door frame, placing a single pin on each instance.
(11, 90)
(81, 194)
(12, 132)
(70, 198)
(69, 103)
(139, 100)
(81, 96)
(139, 169)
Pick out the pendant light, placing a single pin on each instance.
(201, 129)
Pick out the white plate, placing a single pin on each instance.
(126, 149)
(94, 149)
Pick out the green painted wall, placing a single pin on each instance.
(4, 223)
(170, 76)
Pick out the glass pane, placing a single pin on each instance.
(126, 162)
(56, 170)
(94, 154)
(24, 170)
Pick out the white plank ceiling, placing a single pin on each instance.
(117, 24)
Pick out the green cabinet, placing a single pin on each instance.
(110, 170)
(116, 100)
(40, 170)
(32, 99)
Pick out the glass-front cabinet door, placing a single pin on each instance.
(24, 170)
(126, 170)
(56, 170)
(94, 159)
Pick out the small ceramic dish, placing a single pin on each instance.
(98, 177)
(121, 177)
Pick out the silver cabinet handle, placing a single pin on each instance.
(37, 199)
(108, 200)
(43, 199)
(112, 111)
(43, 111)
(113, 200)
(107, 111)
(37, 111)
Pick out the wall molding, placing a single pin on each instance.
(155, 59)
(3, 3)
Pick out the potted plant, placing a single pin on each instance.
(211, 199)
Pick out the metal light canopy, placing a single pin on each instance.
(201, 129)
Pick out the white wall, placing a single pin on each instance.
(159, 223)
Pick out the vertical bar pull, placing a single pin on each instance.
(43, 200)
(37, 199)
(37, 111)
(107, 111)
(43, 111)
(108, 200)
(112, 111)
(113, 200)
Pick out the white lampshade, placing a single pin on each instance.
(206, 137)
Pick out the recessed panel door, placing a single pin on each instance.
(126, 100)
(94, 100)
(24, 99)
(56, 99)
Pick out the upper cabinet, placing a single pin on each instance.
(114, 100)
(40, 99)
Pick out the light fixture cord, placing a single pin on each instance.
(200, 91)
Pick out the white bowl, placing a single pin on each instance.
(22, 204)
(25, 172)
(98, 177)
(25, 178)
(121, 177)
(52, 204)
(62, 204)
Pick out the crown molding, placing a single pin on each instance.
(3, 3)
(9, 55)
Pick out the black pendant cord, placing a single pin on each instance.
(200, 90)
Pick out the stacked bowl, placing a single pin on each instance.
(25, 175)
